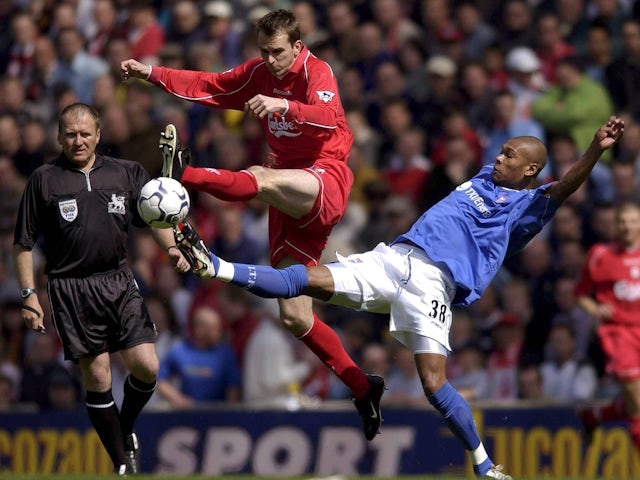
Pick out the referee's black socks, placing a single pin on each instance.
(136, 395)
(104, 416)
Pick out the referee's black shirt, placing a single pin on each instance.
(83, 217)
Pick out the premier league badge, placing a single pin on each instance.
(68, 209)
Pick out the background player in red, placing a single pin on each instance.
(609, 290)
(307, 181)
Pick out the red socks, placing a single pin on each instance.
(223, 184)
(324, 342)
(611, 412)
(634, 430)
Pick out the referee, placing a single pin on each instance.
(82, 204)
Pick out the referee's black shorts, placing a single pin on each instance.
(100, 313)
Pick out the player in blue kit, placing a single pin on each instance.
(448, 257)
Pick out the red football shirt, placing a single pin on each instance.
(314, 127)
(612, 275)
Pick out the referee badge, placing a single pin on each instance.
(68, 209)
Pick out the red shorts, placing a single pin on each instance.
(304, 239)
(621, 344)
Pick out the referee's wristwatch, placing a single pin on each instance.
(25, 292)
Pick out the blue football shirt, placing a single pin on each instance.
(476, 226)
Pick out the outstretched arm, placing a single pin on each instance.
(604, 138)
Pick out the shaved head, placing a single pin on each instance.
(534, 150)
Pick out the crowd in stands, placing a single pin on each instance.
(431, 90)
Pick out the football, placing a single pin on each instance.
(163, 202)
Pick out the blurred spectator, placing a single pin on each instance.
(530, 386)
(493, 60)
(169, 286)
(35, 147)
(563, 153)
(310, 31)
(550, 45)
(221, 33)
(232, 241)
(42, 365)
(65, 15)
(40, 84)
(271, 370)
(397, 28)
(478, 97)
(568, 314)
(375, 359)
(239, 317)
(75, 66)
(106, 23)
(517, 29)
(525, 80)
(363, 159)
(146, 35)
(470, 376)
(371, 52)
(11, 188)
(575, 105)
(436, 21)
(459, 165)
(9, 136)
(395, 119)
(389, 85)
(186, 27)
(624, 177)
(602, 223)
(613, 13)
(573, 19)
(507, 124)
(63, 392)
(412, 59)
(167, 328)
(502, 363)
(7, 395)
(24, 33)
(441, 71)
(476, 32)
(572, 255)
(403, 383)
(142, 143)
(114, 130)
(13, 100)
(598, 55)
(623, 75)
(204, 366)
(408, 167)
(455, 124)
(342, 24)
(630, 144)
(564, 378)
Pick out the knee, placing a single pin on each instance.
(292, 322)
(147, 371)
(432, 380)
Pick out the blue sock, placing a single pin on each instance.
(459, 418)
(269, 282)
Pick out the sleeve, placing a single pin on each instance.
(584, 286)
(226, 90)
(318, 115)
(536, 215)
(30, 211)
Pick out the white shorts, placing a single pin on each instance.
(404, 282)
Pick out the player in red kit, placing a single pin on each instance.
(609, 290)
(307, 180)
